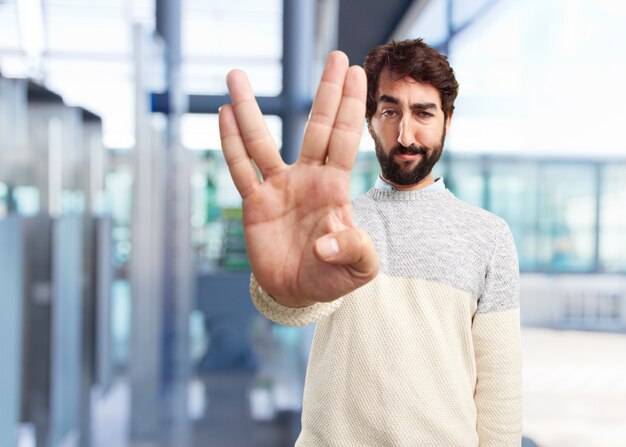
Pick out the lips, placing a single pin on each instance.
(410, 150)
(409, 153)
(408, 156)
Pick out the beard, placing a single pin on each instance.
(400, 172)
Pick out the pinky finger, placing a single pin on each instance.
(239, 163)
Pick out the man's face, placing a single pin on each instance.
(408, 129)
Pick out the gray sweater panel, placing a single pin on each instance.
(432, 235)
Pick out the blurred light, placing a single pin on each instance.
(124, 247)
(543, 79)
(197, 220)
(200, 131)
(217, 36)
(30, 16)
(27, 200)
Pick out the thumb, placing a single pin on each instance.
(352, 247)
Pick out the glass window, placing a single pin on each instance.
(204, 77)
(88, 58)
(513, 195)
(464, 177)
(218, 36)
(567, 217)
(78, 33)
(613, 219)
(9, 32)
(201, 131)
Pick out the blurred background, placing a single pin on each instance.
(126, 318)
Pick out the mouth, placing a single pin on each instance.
(408, 156)
(410, 153)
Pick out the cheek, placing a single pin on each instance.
(430, 137)
(387, 133)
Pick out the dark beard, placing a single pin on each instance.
(396, 172)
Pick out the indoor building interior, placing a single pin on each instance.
(126, 317)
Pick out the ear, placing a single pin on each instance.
(370, 129)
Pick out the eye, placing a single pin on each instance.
(388, 113)
(423, 114)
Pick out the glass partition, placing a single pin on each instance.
(563, 218)
(465, 178)
(513, 195)
(612, 234)
(567, 217)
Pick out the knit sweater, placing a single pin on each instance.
(427, 353)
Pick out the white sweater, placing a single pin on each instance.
(428, 353)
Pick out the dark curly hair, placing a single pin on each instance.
(417, 60)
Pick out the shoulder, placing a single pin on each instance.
(364, 204)
(362, 200)
(478, 219)
(474, 212)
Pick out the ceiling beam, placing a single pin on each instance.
(408, 21)
(363, 24)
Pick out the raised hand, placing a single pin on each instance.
(302, 245)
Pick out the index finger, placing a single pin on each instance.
(254, 132)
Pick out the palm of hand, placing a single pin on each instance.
(299, 211)
(284, 218)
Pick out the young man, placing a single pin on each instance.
(414, 292)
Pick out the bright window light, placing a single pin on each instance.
(32, 31)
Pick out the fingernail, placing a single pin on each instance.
(328, 247)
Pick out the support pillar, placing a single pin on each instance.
(298, 58)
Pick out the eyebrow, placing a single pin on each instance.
(414, 107)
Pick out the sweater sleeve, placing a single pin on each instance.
(496, 337)
(289, 316)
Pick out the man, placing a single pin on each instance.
(414, 292)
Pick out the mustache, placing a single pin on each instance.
(409, 150)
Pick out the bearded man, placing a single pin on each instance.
(415, 293)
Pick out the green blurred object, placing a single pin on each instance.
(234, 256)
(213, 211)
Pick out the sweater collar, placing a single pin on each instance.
(386, 186)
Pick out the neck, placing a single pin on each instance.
(427, 181)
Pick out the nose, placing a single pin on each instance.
(406, 136)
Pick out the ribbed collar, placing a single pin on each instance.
(381, 183)
(407, 196)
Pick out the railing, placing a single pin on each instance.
(584, 302)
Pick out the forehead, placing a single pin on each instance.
(406, 89)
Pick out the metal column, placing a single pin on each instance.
(177, 267)
(298, 56)
(11, 278)
(145, 361)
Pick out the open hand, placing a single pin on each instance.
(302, 245)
